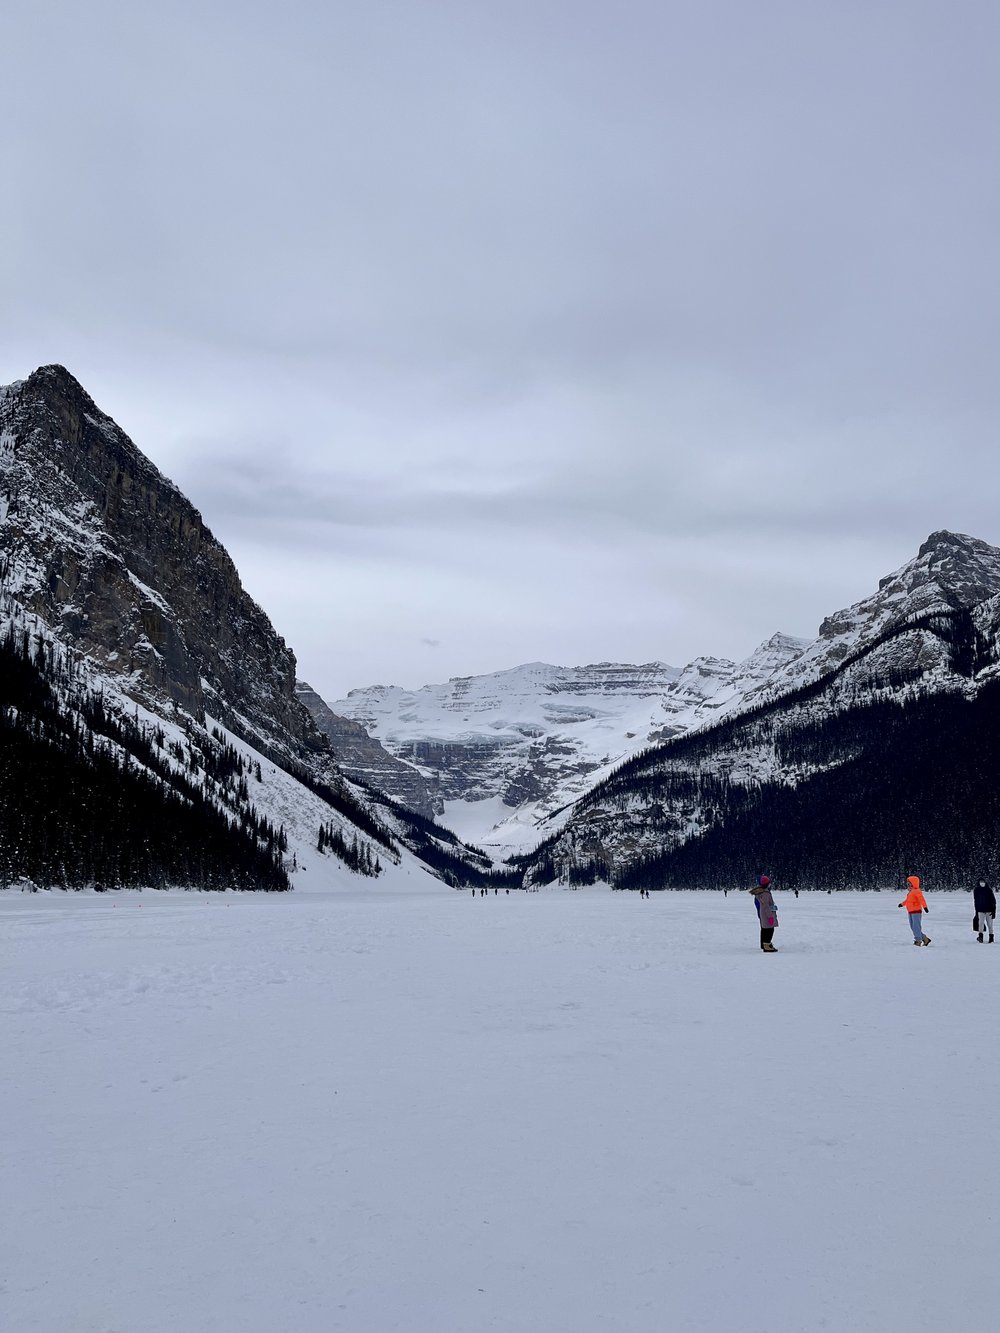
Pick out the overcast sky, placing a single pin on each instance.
(490, 331)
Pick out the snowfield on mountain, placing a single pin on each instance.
(538, 736)
(388, 1107)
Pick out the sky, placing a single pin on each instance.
(492, 332)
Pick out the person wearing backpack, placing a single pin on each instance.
(766, 911)
(985, 903)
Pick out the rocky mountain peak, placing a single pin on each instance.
(100, 545)
(949, 571)
(57, 383)
(944, 541)
(778, 649)
(965, 568)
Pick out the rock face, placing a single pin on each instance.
(105, 549)
(363, 758)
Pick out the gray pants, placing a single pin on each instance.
(984, 922)
(915, 925)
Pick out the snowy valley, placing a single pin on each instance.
(168, 739)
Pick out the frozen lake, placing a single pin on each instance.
(555, 1112)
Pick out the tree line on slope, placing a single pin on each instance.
(88, 797)
(968, 652)
(916, 792)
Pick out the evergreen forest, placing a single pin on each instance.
(88, 797)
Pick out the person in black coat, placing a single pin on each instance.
(985, 904)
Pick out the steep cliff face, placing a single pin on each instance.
(360, 756)
(106, 550)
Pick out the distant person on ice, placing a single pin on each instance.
(985, 904)
(915, 903)
(766, 911)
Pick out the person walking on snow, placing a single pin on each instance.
(985, 904)
(766, 911)
(915, 903)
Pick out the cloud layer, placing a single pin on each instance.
(553, 330)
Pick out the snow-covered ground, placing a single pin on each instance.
(496, 829)
(557, 1112)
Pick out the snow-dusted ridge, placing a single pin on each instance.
(932, 632)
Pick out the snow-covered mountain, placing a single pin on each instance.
(136, 667)
(857, 700)
(949, 572)
(505, 755)
(502, 751)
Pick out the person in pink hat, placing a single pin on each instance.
(766, 911)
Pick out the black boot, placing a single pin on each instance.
(979, 937)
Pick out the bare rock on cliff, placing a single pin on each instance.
(106, 550)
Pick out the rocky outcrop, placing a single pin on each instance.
(364, 758)
(108, 551)
(950, 572)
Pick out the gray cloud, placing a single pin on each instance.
(543, 329)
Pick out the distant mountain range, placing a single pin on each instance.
(500, 752)
(568, 754)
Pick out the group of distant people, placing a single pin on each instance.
(983, 901)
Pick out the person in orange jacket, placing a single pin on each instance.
(915, 904)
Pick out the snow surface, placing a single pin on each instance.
(553, 1112)
(495, 829)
